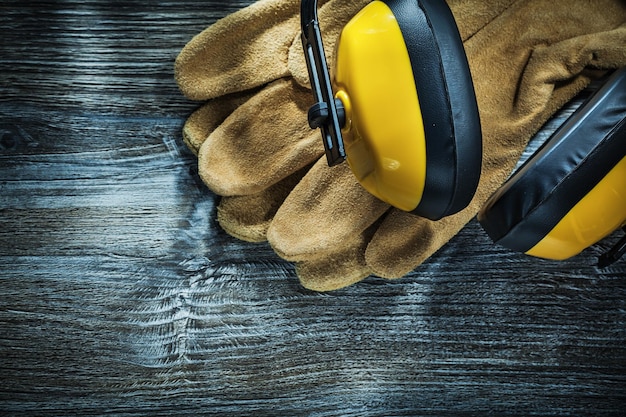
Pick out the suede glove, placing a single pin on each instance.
(251, 69)
(252, 136)
(527, 59)
(251, 63)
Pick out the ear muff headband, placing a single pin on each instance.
(324, 113)
(424, 153)
(572, 192)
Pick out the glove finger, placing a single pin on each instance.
(327, 208)
(527, 94)
(243, 50)
(208, 117)
(403, 241)
(263, 141)
(237, 218)
(330, 270)
(336, 269)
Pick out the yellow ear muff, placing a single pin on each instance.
(572, 192)
(384, 131)
(406, 103)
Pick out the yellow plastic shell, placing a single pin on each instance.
(600, 212)
(383, 133)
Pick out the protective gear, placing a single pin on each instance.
(571, 192)
(527, 59)
(406, 100)
(250, 53)
(526, 64)
(249, 66)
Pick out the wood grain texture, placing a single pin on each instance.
(121, 296)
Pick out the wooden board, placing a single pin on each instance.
(121, 295)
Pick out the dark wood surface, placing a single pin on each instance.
(121, 296)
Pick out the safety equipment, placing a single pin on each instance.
(257, 151)
(571, 192)
(404, 114)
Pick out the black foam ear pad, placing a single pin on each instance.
(563, 171)
(448, 104)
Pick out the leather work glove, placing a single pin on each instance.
(246, 65)
(526, 65)
(250, 68)
(527, 58)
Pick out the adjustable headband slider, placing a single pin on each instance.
(327, 113)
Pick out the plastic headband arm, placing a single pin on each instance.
(327, 113)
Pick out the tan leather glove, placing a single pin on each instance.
(228, 64)
(250, 67)
(499, 41)
(526, 63)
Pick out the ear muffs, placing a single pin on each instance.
(572, 192)
(404, 114)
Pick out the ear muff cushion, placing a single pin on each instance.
(550, 183)
(448, 104)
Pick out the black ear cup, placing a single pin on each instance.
(579, 158)
(448, 104)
